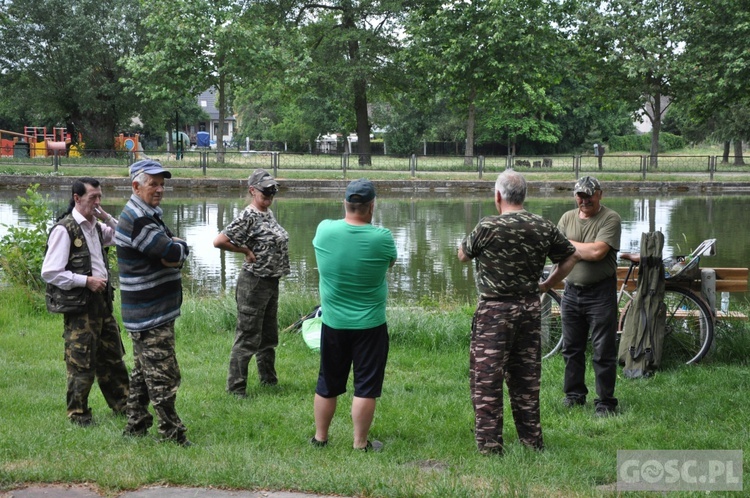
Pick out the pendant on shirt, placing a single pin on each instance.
(78, 242)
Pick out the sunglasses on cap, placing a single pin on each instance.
(269, 191)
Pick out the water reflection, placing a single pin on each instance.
(427, 231)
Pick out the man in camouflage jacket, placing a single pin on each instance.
(510, 251)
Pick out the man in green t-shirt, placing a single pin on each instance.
(353, 257)
(590, 300)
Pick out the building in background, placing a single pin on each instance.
(207, 102)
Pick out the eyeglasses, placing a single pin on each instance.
(269, 192)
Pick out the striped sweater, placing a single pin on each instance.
(151, 292)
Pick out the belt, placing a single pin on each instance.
(607, 280)
(504, 299)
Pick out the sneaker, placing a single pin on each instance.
(605, 411)
(571, 402)
(318, 444)
(374, 446)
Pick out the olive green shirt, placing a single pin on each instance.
(604, 226)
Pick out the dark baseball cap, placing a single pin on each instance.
(361, 190)
(148, 166)
(587, 185)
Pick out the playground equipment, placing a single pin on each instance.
(130, 143)
(35, 141)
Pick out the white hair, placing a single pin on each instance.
(512, 187)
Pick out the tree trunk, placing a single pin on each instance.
(222, 107)
(655, 130)
(470, 125)
(363, 123)
(725, 156)
(738, 160)
(359, 88)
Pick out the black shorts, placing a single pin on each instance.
(366, 349)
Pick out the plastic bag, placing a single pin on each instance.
(311, 329)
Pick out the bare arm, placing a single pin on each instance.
(591, 251)
(462, 257)
(559, 272)
(222, 242)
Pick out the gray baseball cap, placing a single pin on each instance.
(149, 167)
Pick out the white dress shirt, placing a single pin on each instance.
(53, 268)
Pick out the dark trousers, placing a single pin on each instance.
(593, 310)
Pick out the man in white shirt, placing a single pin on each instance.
(76, 270)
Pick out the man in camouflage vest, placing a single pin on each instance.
(76, 270)
(510, 251)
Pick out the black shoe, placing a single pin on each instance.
(185, 443)
(374, 446)
(318, 444)
(571, 402)
(605, 411)
(182, 440)
(82, 422)
(130, 432)
(496, 451)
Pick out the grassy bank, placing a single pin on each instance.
(685, 165)
(424, 417)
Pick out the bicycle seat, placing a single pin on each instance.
(633, 257)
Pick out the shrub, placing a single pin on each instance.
(22, 248)
(667, 141)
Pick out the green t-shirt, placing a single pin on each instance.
(352, 264)
(604, 226)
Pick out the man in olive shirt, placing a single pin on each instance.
(590, 300)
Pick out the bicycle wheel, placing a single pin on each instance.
(551, 324)
(689, 328)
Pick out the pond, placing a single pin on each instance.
(427, 230)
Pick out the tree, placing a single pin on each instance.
(636, 43)
(194, 45)
(494, 60)
(716, 76)
(355, 40)
(60, 61)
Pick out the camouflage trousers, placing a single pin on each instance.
(257, 332)
(506, 346)
(94, 350)
(155, 378)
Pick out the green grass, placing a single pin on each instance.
(424, 417)
(689, 164)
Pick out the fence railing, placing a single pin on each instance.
(635, 166)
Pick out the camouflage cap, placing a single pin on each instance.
(261, 179)
(587, 185)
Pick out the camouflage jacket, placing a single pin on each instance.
(262, 234)
(511, 250)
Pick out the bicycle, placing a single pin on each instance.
(689, 329)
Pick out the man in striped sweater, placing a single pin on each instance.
(150, 259)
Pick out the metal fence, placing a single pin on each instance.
(207, 160)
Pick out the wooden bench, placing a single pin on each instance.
(726, 280)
